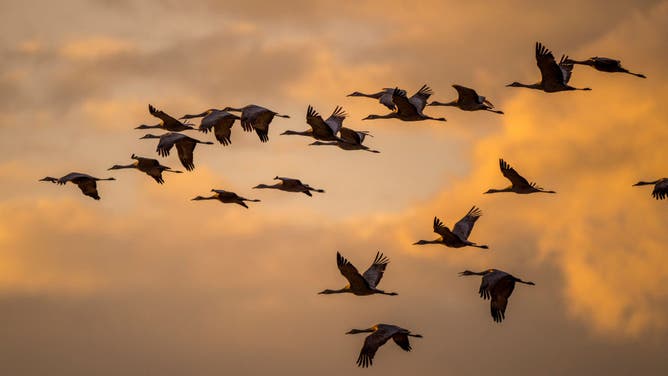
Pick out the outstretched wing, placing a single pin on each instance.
(660, 190)
(465, 225)
(386, 99)
(335, 120)
(185, 149)
(401, 339)
(352, 136)
(348, 270)
(375, 272)
(166, 119)
(467, 95)
(321, 128)
(566, 68)
(419, 99)
(371, 344)
(88, 187)
(440, 229)
(500, 292)
(516, 179)
(404, 106)
(549, 69)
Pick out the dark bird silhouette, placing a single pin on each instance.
(290, 185)
(384, 97)
(350, 140)
(468, 100)
(167, 122)
(408, 109)
(380, 334)
(185, 146)
(458, 237)
(226, 197)
(554, 77)
(361, 284)
(323, 130)
(497, 286)
(519, 184)
(254, 117)
(149, 166)
(660, 187)
(85, 182)
(605, 64)
(220, 121)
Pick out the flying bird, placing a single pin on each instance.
(468, 100)
(361, 284)
(497, 286)
(85, 182)
(350, 140)
(554, 77)
(605, 64)
(384, 97)
(290, 185)
(323, 130)
(380, 334)
(660, 187)
(226, 197)
(458, 237)
(408, 109)
(167, 122)
(220, 121)
(254, 117)
(185, 146)
(149, 166)
(519, 184)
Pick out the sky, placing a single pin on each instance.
(146, 281)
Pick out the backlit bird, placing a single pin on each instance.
(554, 77)
(149, 166)
(497, 286)
(519, 184)
(380, 334)
(185, 146)
(323, 130)
(468, 100)
(660, 187)
(85, 182)
(254, 117)
(605, 64)
(167, 122)
(384, 97)
(458, 237)
(290, 185)
(408, 109)
(361, 284)
(226, 197)
(220, 121)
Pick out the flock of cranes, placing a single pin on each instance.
(496, 286)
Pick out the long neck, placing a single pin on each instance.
(525, 282)
(508, 189)
(647, 182)
(144, 126)
(537, 85)
(340, 291)
(391, 115)
(298, 133)
(421, 242)
(434, 103)
(582, 62)
(200, 198)
(107, 179)
(118, 167)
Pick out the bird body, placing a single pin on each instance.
(519, 184)
(221, 122)
(290, 185)
(605, 64)
(554, 77)
(380, 334)
(185, 146)
(361, 284)
(149, 166)
(323, 130)
(254, 117)
(85, 182)
(408, 109)
(458, 236)
(660, 191)
(167, 122)
(384, 97)
(226, 197)
(349, 140)
(497, 286)
(468, 100)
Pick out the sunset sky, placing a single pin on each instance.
(147, 282)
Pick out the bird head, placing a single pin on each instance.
(357, 331)
(514, 84)
(371, 117)
(148, 136)
(355, 94)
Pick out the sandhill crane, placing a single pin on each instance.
(660, 187)
(361, 284)
(380, 334)
(226, 197)
(220, 121)
(519, 184)
(85, 182)
(324, 130)
(185, 146)
(256, 117)
(497, 286)
(384, 97)
(408, 109)
(290, 185)
(350, 140)
(167, 122)
(468, 100)
(149, 166)
(605, 64)
(555, 76)
(459, 235)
